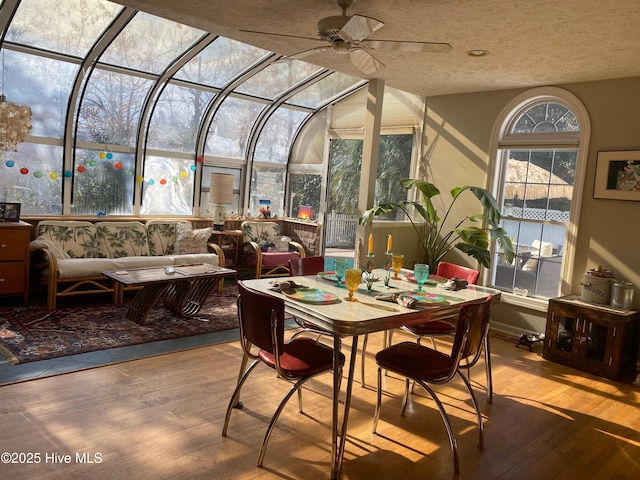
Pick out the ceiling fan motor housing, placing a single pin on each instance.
(329, 28)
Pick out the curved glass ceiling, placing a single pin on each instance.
(144, 104)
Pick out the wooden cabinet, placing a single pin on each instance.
(592, 338)
(14, 259)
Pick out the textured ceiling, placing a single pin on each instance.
(531, 43)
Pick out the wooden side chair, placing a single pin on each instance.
(426, 366)
(262, 327)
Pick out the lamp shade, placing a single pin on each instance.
(221, 189)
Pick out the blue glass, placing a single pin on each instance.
(421, 272)
(340, 268)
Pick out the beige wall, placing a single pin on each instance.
(457, 152)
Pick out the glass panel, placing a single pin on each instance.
(539, 250)
(267, 183)
(32, 176)
(394, 163)
(230, 128)
(597, 341)
(168, 186)
(206, 208)
(46, 93)
(304, 192)
(277, 78)
(176, 118)
(546, 118)
(111, 108)
(274, 143)
(103, 182)
(64, 26)
(322, 92)
(566, 333)
(149, 44)
(220, 62)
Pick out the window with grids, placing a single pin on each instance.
(537, 158)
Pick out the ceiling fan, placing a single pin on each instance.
(347, 34)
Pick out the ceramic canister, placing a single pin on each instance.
(596, 286)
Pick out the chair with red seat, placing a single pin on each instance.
(262, 327)
(424, 365)
(442, 328)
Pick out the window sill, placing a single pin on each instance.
(537, 304)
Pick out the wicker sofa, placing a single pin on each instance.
(68, 257)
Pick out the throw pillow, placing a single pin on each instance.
(191, 241)
(281, 244)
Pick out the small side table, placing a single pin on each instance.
(229, 242)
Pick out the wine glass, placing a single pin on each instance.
(421, 272)
(352, 278)
(397, 261)
(339, 268)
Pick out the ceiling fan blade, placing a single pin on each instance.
(358, 28)
(401, 46)
(306, 53)
(282, 35)
(366, 62)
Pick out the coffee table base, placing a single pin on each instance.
(183, 297)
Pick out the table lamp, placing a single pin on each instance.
(220, 194)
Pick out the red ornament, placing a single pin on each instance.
(163, 182)
(24, 170)
(118, 165)
(200, 159)
(81, 169)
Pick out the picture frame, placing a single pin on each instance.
(9, 212)
(618, 175)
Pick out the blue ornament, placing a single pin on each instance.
(9, 163)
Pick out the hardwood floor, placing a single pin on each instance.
(161, 418)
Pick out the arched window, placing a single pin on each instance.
(541, 139)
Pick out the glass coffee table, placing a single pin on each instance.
(184, 288)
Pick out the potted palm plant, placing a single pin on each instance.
(472, 240)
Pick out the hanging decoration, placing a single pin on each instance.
(117, 165)
(15, 120)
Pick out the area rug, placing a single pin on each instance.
(32, 333)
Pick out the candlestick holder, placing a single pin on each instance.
(387, 267)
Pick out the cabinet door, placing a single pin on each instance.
(563, 333)
(596, 343)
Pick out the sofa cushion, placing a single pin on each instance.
(196, 258)
(93, 267)
(78, 239)
(162, 236)
(191, 241)
(262, 233)
(122, 239)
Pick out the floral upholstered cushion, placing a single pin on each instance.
(78, 239)
(191, 241)
(162, 236)
(122, 239)
(262, 233)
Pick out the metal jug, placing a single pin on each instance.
(622, 295)
(596, 286)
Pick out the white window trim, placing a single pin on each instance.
(500, 139)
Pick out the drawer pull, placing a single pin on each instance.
(4, 245)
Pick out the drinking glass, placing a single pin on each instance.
(421, 272)
(352, 278)
(339, 268)
(397, 261)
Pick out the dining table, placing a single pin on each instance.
(321, 301)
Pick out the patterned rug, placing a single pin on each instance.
(31, 333)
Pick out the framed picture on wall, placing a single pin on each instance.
(618, 175)
(9, 212)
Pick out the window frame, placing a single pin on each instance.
(501, 139)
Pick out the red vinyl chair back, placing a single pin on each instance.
(306, 266)
(450, 270)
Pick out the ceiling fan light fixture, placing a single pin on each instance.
(478, 53)
(341, 47)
